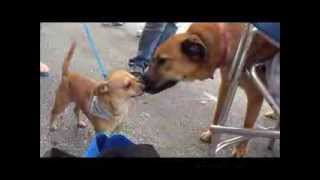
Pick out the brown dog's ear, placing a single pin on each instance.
(101, 89)
(194, 47)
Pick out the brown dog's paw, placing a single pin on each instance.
(82, 124)
(239, 151)
(271, 115)
(206, 136)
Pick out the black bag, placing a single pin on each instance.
(139, 150)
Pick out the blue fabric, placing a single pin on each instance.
(116, 141)
(270, 29)
(105, 141)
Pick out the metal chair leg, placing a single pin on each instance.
(246, 132)
(235, 73)
(259, 84)
(230, 142)
(273, 140)
(257, 81)
(271, 144)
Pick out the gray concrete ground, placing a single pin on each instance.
(172, 120)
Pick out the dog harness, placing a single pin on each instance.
(97, 109)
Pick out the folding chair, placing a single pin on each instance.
(271, 31)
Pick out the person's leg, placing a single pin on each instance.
(153, 35)
(170, 30)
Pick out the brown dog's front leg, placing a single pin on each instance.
(206, 135)
(255, 100)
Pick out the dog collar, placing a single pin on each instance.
(224, 52)
(97, 110)
(224, 49)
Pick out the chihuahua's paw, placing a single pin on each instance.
(53, 127)
(82, 124)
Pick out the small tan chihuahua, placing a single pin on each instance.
(104, 103)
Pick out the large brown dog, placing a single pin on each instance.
(197, 54)
(109, 98)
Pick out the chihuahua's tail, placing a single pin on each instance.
(67, 59)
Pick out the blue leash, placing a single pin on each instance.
(95, 51)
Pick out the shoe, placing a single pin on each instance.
(136, 70)
(117, 24)
(44, 70)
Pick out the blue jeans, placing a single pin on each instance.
(152, 36)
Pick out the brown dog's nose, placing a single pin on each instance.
(146, 81)
(143, 87)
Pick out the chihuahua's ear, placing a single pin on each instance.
(127, 83)
(194, 48)
(101, 89)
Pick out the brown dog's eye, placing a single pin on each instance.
(167, 67)
(161, 61)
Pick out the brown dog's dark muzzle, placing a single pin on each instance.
(154, 87)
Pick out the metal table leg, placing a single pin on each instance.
(234, 76)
